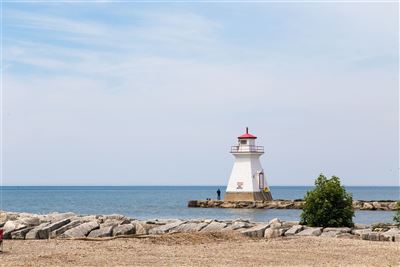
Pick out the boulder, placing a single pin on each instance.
(125, 229)
(64, 228)
(374, 236)
(33, 234)
(376, 205)
(44, 233)
(367, 206)
(165, 228)
(189, 227)
(383, 237)
(365, 235)
(272, 233)
(392, 206)
(275, 223)
(311, 231)
(81, 230)
(102, 232)
(108, 223)
(359, 232)
(114, 222)
(11, 226)
(140, 228)
(214, 227)
(390, 235)
(20, 234)
(89, 218)
(12, 216)
(55, 216)
(156, 223)
(116, 217)
(239, 225)
(256, 231)
(193, 204)
(228, 205)
(294, 230)
(397, 238)
(29, 220)
(335, 231)
(260, 205)
(143, 228)
(3, 218)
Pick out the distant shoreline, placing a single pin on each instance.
(220, 186)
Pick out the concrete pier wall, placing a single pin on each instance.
(285, 204)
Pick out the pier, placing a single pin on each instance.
(389, 205)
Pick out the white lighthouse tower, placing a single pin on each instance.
(247, 181)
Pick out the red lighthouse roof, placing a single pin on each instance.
(247, 135)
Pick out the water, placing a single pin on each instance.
(151, 202)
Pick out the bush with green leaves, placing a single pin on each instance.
(328, 204)
(396, 217)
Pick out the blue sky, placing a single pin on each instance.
(155, 94)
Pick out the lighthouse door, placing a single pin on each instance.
(261, 180)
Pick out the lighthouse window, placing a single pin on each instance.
(243, 142)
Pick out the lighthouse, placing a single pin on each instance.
(247, 181)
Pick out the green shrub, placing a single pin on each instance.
(396, 217)
(328, 204)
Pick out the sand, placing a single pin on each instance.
(201, 250)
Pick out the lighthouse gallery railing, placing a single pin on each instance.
(244, 148)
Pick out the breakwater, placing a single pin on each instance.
(73, 226)
(389, 205)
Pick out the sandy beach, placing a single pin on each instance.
(184, 249)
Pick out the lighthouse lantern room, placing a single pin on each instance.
(247, 181)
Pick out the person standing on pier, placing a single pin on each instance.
(219, 194)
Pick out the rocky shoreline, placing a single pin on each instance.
(389, 205)
(72, 226)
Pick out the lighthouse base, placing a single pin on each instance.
(247, 196)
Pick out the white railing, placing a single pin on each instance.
(246, 148)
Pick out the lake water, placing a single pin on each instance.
(152, 202)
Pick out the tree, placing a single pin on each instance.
(396, 217)
(328, 204)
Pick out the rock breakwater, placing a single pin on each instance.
(389, 205)
(72, 226)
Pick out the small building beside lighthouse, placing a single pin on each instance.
(247, 181)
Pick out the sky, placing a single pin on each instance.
(156, 93)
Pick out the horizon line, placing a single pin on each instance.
(87, 185)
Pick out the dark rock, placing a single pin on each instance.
(20, 234)
(64, 228)
(44, 233)
(33, 234)
(11, 226)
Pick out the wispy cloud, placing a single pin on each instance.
(89, 90)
